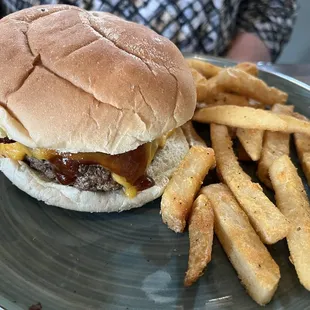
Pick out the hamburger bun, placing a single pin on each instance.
(77, 81)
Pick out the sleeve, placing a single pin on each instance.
(11, 6)
(271, 20)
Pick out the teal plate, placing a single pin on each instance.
(70, 260)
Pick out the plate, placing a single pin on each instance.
(70, 260)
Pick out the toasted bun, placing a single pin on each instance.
(71, 198)
(79, 81)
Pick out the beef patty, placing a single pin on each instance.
(89, 177)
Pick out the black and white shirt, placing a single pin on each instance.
(205, 26)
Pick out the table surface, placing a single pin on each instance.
(300, 72)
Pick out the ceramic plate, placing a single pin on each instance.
(70, 260)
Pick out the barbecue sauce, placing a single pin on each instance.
(130, 165)
(143, 183)
(66, 170)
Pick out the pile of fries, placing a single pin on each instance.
(238, 105)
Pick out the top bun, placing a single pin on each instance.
(78, 81)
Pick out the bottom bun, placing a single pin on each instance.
(67, 197)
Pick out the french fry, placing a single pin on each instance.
(191, 135)
(293, 202)
(181, 190)
(225, 99)
(245, 117)
(256, 268)
(255, 104)
(242, 83)
(209, 70)
(200, 83)
(302, 143)
(205, 68)
(201, 222)
(305, 163)
(267, 220)
(275, 145)
(252, 141)
(197, 76)
(248, 67)
(241, 117)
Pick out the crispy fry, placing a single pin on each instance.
(256, 269)
(245, 117)
(197, 76)
(201, 222)
(209, 70)
(275, 145)
(296, 125)
(252, 141)
(200, 83)
(225, 99)
(256, 104)
(267, 220)
(293, 202)
(241, 117)
(191, 135)
(242, 83)
(248, 67)
(205, 68)
(302, 143)
(180, 192)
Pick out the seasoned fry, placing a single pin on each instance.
(209, 70)
(295, 125)
(197, 76)
(201, 222)
(256, 269)
(225, 99)
(302, 143)
(230, 99)
(305, 164)
(252, 141)
(255, 104)
(293, 202)
(267, 220)
(241, 117)
(242, 83)
(248, 67)
(180, 192)
(191, 135)
(200, 83)
(245, 117)
(205, 68)
(275, 145)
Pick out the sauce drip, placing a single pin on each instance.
(66, 170)
(143, 183)
(130, 165)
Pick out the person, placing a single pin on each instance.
(248, 30)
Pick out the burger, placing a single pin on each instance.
(91, 108)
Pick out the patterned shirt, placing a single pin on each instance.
(202, 26)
